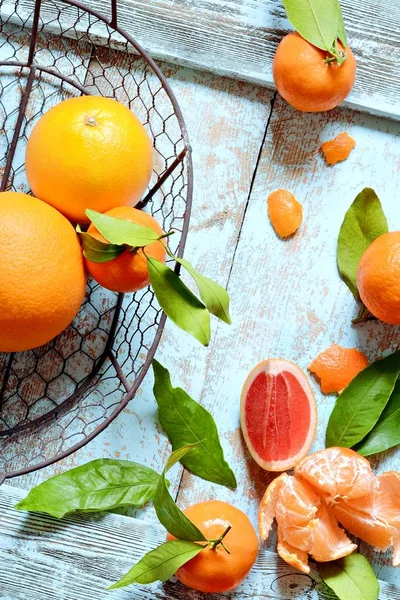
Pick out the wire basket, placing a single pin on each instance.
(56, 398)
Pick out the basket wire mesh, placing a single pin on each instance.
(56, 398)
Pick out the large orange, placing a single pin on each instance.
(306, 80)
(88, 152)
(42, 276)
(214, 570)
(378, 278)
(128, 272)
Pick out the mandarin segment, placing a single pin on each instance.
(378, 278)
(285, 212)
(307, 79)
(337, 366)
(330, 542)
(267, 510)
(298, 559)
(338, 149)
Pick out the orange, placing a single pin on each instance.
(42, 276)
(88, 152)
(306, 80)
(214, 570)
(278, 414)
(329, 487)
(285, 212)
(337, 366)
(128, 272)
(378, 278)
(338, 149)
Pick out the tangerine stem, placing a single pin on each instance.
(216, 543)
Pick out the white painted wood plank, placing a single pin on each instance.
(287, 298)
(45, 559)
(238, 38)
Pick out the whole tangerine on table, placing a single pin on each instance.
(378, 278)
(128, 272)
(88, 152)
(308, 78)
(42, 275)
(223, 566)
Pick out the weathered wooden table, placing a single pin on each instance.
(287, 301)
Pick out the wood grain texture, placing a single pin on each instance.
(80, 556)
(238, 38)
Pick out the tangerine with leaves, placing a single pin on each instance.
(42, 276)
(88, 152)
(309, 78)
(225, 563)
(378, 278)
(127, 272)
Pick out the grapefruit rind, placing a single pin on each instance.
(275, 366)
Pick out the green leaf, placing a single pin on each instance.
(360, 405)
(160, 564)
(214, 296)
(363, 223)
(386, 433)
(99, 485)
(178, 302)
(186, 422)
(315, 20)
(169, 515)
(351, 578)
(98, 251)
(341, 34)
(119, 231)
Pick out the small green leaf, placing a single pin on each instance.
(214, 296)
(360, 405)
(186, 422)
(169, 515)
(351, 578)
(99, 485)
(341, 28)
(386, 433)
(178, 302)
(160, 564)
(98, 251)
(363, 223)
(315, 20)
(119, 231)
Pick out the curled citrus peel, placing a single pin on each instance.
(285, 212)
(338, 149)
(337, 366)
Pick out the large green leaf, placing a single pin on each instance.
(99, 485)
(186, 422)
(160, 564)
(386, 433)
(97, 251)
(178, 302)
(363, 223)
(316, 20)
(351, 578)
(122, 232)
(214, 296)
(360, 405)
(169, 515)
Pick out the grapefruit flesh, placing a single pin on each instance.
(278, 414)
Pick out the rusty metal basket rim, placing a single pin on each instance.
(185, 154)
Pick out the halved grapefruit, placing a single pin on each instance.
(278, 414)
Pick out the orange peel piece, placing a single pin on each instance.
(285, 212)
(338, 149)
(337, 366)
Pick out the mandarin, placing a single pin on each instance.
(42, 276)
(216, 570)
(88, 152)
(127, 272)
(378, 278)
(307, 79)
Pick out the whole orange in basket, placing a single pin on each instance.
(223, 567)
(88, 152)
(378, 278)
(42, 276)
(307, 79)
(128, 272)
